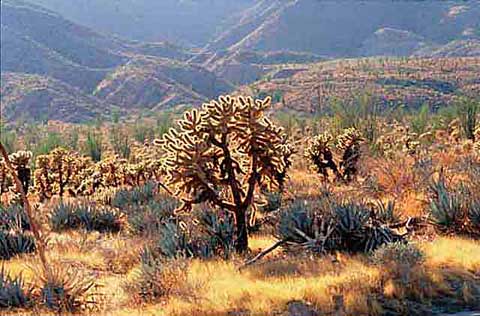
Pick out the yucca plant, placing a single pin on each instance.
(474, 216)
(149, 218)
(13, 292)
(446, 210)
(467, 111)
(220, 228)
(138, 195)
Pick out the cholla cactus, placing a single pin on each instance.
(5, 178)
(20, 161)
(349, 143)
(455, 129)
(222, 154)
(476, 144)
(319, 153)
(58, 172)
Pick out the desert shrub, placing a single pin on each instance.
(13, 217)
(149, 218)
(398, 253)
(12, 244)
(85, 216)
(328, 225)
(13, 292)
(66, 289)
(155, 278)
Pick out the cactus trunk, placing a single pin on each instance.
(241, 243)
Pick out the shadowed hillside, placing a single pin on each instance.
(34, 97)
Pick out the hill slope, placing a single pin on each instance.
(340, 28)
(391, 81)
(148, 82)
(34, 97)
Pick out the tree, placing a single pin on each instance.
(223, 155)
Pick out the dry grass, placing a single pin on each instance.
(218, 287)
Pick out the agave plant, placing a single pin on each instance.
(329, 225)
(13, 218)
(13, 292)
(12, 244)
(85, 216)
(65, 289)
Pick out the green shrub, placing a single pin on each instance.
(13, 293)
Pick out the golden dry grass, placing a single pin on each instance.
(218, 287)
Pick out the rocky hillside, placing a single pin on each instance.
(343, 28)
(36, 97)
(149, 82)
(392, 82)
(48, 62)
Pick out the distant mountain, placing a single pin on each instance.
(244, 67)
(185, 22)
(39, 41)
(50, 59)
(459, 48)
(56, 68)
(343, 28)
(34, 97)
